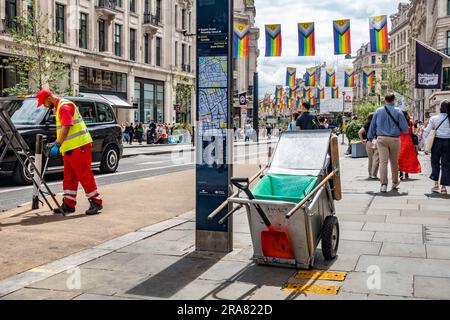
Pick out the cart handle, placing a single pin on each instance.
(225, 203)
(309, 196)
(222, 221)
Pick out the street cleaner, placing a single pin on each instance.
(74, 142)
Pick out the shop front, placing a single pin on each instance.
(148, 101)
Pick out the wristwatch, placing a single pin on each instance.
(58, 144)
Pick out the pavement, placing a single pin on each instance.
(392, 246)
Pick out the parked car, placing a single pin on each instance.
(30, 121)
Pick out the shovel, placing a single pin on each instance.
(274, 243)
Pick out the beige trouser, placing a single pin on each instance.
(374, 159)
(388, 149)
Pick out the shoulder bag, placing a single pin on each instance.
(432, 136)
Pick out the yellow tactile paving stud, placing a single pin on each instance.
(321, 275)
(311, 288)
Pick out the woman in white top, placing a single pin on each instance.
(440, 153)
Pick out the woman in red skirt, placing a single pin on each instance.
(407, 158)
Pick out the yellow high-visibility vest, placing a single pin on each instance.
(78, 135)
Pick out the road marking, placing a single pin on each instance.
(155, 162)
(40, 270)
(321, 275)
(311, 288)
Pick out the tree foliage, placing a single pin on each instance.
(363, 110)
(36, 55)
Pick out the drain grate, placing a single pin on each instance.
(436, 235)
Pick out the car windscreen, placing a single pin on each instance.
(28, 113)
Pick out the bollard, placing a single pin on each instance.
(269, 154)
(38, 164)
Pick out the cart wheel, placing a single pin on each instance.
(330, 238)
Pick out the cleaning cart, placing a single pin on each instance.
(291, 208)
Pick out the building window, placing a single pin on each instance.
(118, 40)
(11, 13)
(158, 52)
(183, 19)
(147, 6)
(83, 31)
(118, 3)
(60, 23)
(101, 36)
(183, 54)
(133, 44)
(176, 17)
(384, 59)
(448, 7)
(374, 59)
(102, 80)
(133, 5)
(158, 10)
(448, 42)
(176, 53)
(446, 84)
(146, 49)
(189, 21)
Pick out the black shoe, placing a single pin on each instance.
(66, 208)
(94, 208)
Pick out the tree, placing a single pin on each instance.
(36, 55)
(394, 80)
(183, 91)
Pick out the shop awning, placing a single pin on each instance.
(113, 100)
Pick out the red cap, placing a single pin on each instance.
(42, 95)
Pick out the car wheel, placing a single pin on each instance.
(110, 160)
(21, 175)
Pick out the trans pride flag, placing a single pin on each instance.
(273, 40)
(278, 94)
(293, 93)
(306, 40)
(291, 80)
(369, 78)
(330, 79)
(241, 38)
(342, 40)
(306, 93)
(349, 78)
(379, 40)
(335, 93)
(320, 93)
(310, 77)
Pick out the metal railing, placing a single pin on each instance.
(106, 4)
(152, 19)
(9, 24)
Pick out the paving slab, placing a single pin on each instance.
(444, 207)
(392, 227)
(359, 247)
(172, 248)
(426, 214)
(225, 270)
(398, 237)
(103, 282)
(403, 250)
(385, 212)
(394, 206)
(390, 284)
(88, 296)
(438, 252)
(361, 217)
(357, 235)
(351, 225)
(159, 227)
(125, 240)
(432, 288)
(343, 262)
(176, 235)
(40, 294)
(419, 220)
(266, 293)
(406, 266)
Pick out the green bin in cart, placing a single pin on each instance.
(294, 196)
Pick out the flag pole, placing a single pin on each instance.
(432, 49)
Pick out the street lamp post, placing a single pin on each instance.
(343, 116)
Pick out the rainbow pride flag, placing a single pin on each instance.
(291, 79)
(330, 78)
(369, 78)
(306, 40)
(273, 40)
(300, 102)
(349, 81)
(342, 39)
(306, 93)
(290, 103)
(312, 101)
(379, 39)
(241, 39)
(278, 94)
(310, 77)
(335, 93)
(320, 93)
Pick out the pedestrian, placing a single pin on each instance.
(269, 131)
(408, 162)
(387, 125)
(306, 121)
(293, 124)
(323, 123)
(130, 131)
(248, 130)
(371, 148)
(440, 152)
(139, 133)
(74, 143)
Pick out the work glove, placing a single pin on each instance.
(54, 150)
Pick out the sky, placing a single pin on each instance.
(289, 13)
